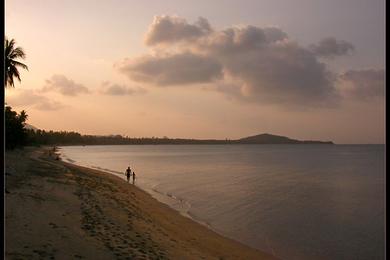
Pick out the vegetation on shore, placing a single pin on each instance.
(38, 137)
(15, 132)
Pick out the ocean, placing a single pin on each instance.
(293, 201)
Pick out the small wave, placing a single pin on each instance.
(204, 223)
(177, 203)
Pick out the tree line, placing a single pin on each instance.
(42, 137)
(18, 136)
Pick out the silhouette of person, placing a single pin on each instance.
(128, 173)
(133, 177)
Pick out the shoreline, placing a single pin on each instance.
(161, 197)
(79, 212)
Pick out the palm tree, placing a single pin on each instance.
(11, 65)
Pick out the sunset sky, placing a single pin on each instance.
(306, 69)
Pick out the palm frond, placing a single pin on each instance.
(17, 53)
(19, 64)
(9, 81)
(9, 46)
(11, 64)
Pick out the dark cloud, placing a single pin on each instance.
(282, 74)
(330, 47)
(64, 86)
(177, 69)
(168, 29)
(274, 34)
(270, 66)
(31, 99)
(264, 64)
(236, 40)
(365, 84)
(120, 90)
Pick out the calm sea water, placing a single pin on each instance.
(293, 201)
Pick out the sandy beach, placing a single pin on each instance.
(56, 210)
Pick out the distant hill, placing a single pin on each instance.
(276, 139)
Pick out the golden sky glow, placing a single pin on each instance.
(308, 70)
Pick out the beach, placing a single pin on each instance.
(57, 210)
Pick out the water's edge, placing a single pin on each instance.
(167, 199)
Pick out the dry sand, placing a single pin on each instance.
(56, 210)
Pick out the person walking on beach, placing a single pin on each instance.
(128, 173)
(133, 177)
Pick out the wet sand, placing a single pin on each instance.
(56, 210)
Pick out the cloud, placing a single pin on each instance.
(168, 29)
(330, 47)
(236, 40)
(31, 99)
(176, 69)
(364, 84)
(252, 63)
(270, 67)
(64, 86)
(120, 90)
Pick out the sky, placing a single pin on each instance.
(306, 69)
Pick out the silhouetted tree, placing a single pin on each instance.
(11, 53)
(15, 133)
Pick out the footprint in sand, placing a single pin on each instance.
(53, 225)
